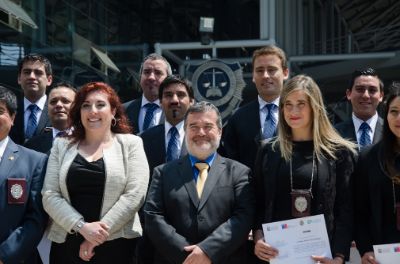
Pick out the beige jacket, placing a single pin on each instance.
(127, 176)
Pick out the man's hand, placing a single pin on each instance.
(196, 256)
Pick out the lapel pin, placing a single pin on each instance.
(11, 158)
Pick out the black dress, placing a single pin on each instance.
(302, 168)
(85, 183)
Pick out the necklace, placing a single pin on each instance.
(312, 175)
(301, 198)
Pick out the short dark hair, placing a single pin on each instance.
(9, 99)
(202, 107)
(66, 85)
(175, 79)
(365, 72)
(35, 57)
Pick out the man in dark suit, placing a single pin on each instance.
(257, 120)
(145, 112)
(61, 97)
(365, 92)
(200, 207)
(34, 76)
(161, 143)
(22, 170)
(176, 96)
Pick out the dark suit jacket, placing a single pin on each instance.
(333, 195)
(22, 225)
(243, 133)
(42, 142)
(218, 223)
(17, 133)
(346, 130)
(132, 110)
(370, 179)
(154, 146)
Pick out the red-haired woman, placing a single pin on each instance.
(95, 183)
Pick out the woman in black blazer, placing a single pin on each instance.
(377, 185)
(305, 171)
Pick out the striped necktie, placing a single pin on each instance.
(270, 121)
(148, 118)
(32, 121)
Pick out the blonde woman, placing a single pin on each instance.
(309, 162)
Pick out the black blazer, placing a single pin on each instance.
(22, 225)
(334, 193)
(242, 134)
(154, 146)
(42, 142)
(369, 179)
(218, 223)
(17, 133)
(346, 130)
(132, 110)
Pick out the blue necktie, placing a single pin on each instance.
(32, 121)
(148, 118)
(365, 138)
(270, 122)
(173, 144)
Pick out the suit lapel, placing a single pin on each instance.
(256, 121)
(43, 121)
(185, 173)
(183, 148)
(160, 143)
(378, 131)
(214, 174)
(9, 159)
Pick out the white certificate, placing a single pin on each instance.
(298, 239)
(388, 253)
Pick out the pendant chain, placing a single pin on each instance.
(312, 175)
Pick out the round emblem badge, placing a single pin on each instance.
(16, 191)
(300, 203)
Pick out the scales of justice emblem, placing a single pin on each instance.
(219, 83)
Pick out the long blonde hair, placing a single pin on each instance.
(326, 140)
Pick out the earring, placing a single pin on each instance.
(113, 122)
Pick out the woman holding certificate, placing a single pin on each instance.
(377, 185)
(305, 171)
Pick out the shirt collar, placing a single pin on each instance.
(40, 103)
(3, 144)
(178, 126)
(209, 160)
(262, 103)
(371, 122)
(145, 101)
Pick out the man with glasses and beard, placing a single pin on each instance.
(200, 207)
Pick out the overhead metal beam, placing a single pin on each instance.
(338, 57)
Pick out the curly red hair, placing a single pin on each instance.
(122, 123)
